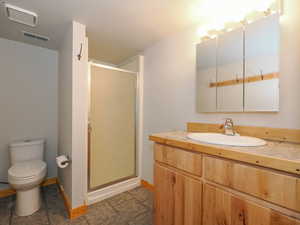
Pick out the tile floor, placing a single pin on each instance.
(130, 208)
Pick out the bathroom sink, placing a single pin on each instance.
(222, 139)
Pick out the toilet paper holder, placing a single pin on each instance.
(63, 161)
(68, 160)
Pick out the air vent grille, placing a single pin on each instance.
(35, 36)
(20, 15)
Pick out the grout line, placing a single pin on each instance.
(148, 209)
(116, 211)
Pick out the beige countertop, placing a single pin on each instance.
(282, 156)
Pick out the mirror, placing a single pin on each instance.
(239, 71)
(230, 70)
(206, 75)
(262, 65)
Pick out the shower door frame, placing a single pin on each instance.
(137, 130)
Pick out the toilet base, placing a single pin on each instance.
(28, 201)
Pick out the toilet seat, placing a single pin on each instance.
(27, 170)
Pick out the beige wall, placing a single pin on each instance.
(169, 85)
(28, 99)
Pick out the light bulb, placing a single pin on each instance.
(201, 32)
(263, 5)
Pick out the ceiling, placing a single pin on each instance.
(117, 29)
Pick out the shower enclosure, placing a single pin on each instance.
(112, 126)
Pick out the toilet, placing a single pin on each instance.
(27, 172)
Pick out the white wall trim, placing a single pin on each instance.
(107, 192)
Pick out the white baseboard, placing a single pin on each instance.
(107, 192)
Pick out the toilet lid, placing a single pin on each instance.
(27, 169)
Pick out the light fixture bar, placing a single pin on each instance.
(274, 7)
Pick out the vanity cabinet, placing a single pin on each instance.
(196, 188)
(184, 160)
(223, 208)
(275, 187)
(177, 198)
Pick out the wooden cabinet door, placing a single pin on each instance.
(223, 208)
(261, 183)
(177, 198)
(190, 162)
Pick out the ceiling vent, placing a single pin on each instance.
(20, 15)
(35, 36)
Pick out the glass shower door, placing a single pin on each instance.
(112, 136)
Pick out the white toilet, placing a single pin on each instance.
(26, 173)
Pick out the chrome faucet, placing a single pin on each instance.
(228, 127)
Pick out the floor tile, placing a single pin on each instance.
(51, 190)
(115, 220)
(57, 216)
(119, 199)
(38, 218)
(141, 194)
(5, 210)
(130, 209)
(100, 212)
(54, 200)
(78, 221)
(142, 219)
(149, 203)
(56, 209)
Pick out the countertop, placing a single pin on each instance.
(283, 156)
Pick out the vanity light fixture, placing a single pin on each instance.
(262, 10)
(201, 32)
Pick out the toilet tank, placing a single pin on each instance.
(26, 150)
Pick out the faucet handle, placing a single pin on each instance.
(228, 127)
(228, 120)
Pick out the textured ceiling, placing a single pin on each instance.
(117, 29)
